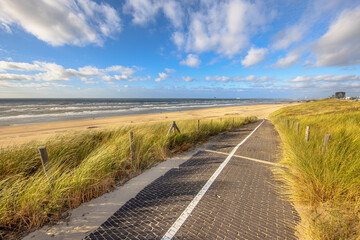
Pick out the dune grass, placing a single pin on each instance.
(324, 184)
(85, 165)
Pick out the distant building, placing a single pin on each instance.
(340, 95)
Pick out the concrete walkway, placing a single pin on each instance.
(222, 192)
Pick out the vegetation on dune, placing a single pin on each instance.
(324, 184)
(85, 165)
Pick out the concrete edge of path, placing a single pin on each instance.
(89, 216)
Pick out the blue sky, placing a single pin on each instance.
(168, 48)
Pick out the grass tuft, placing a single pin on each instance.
(85, 165)
(324, 184)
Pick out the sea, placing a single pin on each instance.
(26, 111)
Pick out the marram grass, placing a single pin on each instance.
(324, 184)
(85, 165)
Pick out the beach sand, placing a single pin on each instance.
(20, 134)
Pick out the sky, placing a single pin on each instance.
(179, 49)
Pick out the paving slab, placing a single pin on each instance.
(242, 203)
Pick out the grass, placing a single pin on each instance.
(324, 184)
(84, 166)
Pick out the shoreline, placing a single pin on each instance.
(20, 134)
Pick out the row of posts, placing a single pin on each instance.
(45, 158)
(307, 132)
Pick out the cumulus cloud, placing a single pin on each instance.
(340, 45)
(250, 78)
(162, 77)
(170, 70)
(254, 56)
(61, 22)
(48, 72)
(326, 78)
(144, 11)
(288, 36)
(191, 60)
(188, 79)
(121, 69)
(224, 27)
(290, 59)
(316, 12)
(18, 66)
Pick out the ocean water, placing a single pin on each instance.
(25, 111)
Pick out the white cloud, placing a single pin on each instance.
(191, 61)
(178, 39)
(326, 78)
(5, 84)
(340, 46)
(254, 56)
(45, 71)
(170, 70)
(301, 79)
(162, 77)
(15, 77)
(144, 11)
(250, 78)
(290, 59)
(290, 35)
(224, 27)
(173, 11)
(316, 12)
(18, 66)
(221, 26)
(188, 79)
(121, 69)
(61, 22)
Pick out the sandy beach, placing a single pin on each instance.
(20, 134)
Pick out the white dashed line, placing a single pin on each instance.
(179, 222)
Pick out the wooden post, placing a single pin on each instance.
(307, 133)
(198, 126)
(326, 140)
(132, 153)
(44, 158)
(292, 124)
(211, 123)
(173, 127)
(297, 128)
(287, 123)
(45, 163)
(220, 120)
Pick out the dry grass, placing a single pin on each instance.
(324, 184)
(84, 166)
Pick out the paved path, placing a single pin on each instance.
(241, 203)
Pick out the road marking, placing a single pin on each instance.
(248, 158)
(181, 219)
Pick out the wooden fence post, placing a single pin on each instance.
(287, 123)
(173, 127)
(297, 128)
(326, 140)
(220, 120)
(198, 126)
(307, 133)
(292, 124)
(45, 163)
(132, 153)
(211, 123)
(44, 158)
